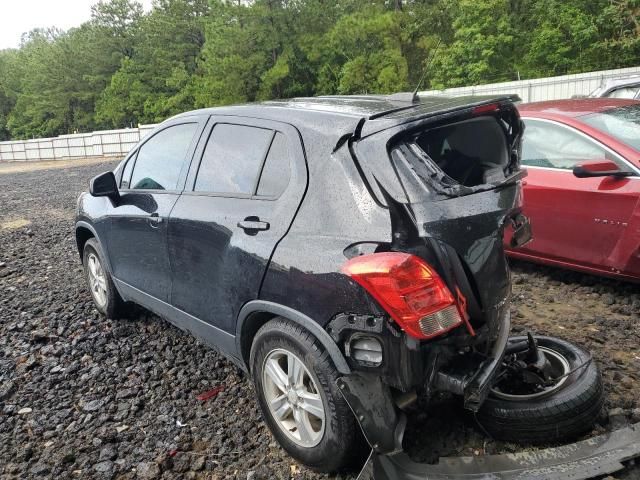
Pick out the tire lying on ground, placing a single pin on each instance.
(558, 415)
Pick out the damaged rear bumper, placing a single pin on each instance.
(597, 456)
(475, 387)
(377, 412)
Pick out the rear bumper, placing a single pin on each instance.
(474, 386)
(383, 423)
(595, 457)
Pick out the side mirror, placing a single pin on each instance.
(104, 185)
(599, 168)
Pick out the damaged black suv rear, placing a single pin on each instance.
(348, 253)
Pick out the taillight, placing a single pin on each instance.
(411, 292)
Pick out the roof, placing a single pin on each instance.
(575, 107)
(347, 111)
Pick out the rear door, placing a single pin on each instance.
(574, 220)
(151, 183)
(243, 190)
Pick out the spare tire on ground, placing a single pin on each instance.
(559, 412)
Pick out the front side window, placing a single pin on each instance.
(161, 158)
(232, 159)
(126, 172)
(546, 144)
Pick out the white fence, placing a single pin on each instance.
(104, 143)
(539, 89)
(119, 142)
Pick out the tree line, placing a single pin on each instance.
(125, 66)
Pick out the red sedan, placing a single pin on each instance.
(583, 188)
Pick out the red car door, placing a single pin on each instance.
(577, 221)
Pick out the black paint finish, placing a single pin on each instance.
(220, 265)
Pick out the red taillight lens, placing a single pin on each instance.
(409, 290)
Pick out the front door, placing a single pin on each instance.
(150, 186)
(574, 220)
(243, 190)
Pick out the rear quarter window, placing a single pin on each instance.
(276, 172)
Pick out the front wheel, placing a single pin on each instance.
(561, 410)
(295, 380)
(105, 296)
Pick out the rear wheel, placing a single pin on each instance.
(105, 296)
(557, 411)
(295, 380)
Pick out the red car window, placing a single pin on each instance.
(622, 123)
(546, 144)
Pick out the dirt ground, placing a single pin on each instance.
(84, 397)
(17, 167)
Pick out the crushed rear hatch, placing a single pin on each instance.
(451, 181)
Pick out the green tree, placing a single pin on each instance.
(363, 54)
(154, 82)
(564, 42)
(619, 24)
(125, 66)
(9, 85)
(483, 45)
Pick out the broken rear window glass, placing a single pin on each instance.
(461, 157)
(472, 152)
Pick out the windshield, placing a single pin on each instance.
(621, 123)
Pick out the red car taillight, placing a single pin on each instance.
(411, 292)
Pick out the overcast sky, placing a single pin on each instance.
(19, 16)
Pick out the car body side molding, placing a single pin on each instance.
(295, 316)
(214, 337)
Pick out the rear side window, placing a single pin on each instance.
(277, 169)
(161, 158)
(232, 159)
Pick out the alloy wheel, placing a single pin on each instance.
(293, 398)
(97, 280)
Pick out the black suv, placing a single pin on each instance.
(346, 251)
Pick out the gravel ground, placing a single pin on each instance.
(84, 397)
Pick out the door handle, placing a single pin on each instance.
(253, 225)
(154, 220)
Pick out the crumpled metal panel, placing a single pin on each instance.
(601, 455)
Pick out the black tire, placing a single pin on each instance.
(561, 415)
(114, 307)
(342, 445)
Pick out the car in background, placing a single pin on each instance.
(619, 88)
(583, 185)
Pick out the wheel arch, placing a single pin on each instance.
(84, 232)
(258, 312)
